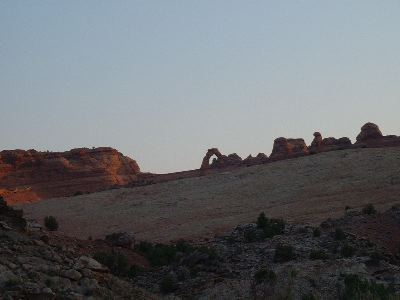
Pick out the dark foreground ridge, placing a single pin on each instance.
(354, 257)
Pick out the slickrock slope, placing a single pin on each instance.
(27, 176)
(306, 189)
(33, 267)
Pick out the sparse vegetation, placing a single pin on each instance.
(369, 209)
(161, 254)
(357, 288)
(51, 223)
(168, 285)
(265, 276)
(317, 232)
(284, 253)
(117, 263)
(318, 254)
(375, 258)
(270, 227)
(308, 296)
(347, 250)
(339, 234)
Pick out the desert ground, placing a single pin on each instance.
(308, 190)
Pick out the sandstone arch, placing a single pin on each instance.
(206, 160)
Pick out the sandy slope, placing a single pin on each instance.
(307, 189)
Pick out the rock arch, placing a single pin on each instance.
(206, 160)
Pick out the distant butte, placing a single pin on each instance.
(28, 176)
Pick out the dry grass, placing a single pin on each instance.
(308, 189)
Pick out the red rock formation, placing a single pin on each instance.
(31, 175)
(369, 131)
(261, 158)
(328, 144)
(288, 148)
(221, 161)
(206, 160)
(371, 136)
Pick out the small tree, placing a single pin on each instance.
(51, 223)
(339, 234)
(317, 232)
(284, 253)
(262, 221)
(369, 209)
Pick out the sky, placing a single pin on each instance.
(163, 81)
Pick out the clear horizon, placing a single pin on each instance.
(164, 81)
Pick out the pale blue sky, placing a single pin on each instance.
(162, 81)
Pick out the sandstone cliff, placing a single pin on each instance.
(27, 176)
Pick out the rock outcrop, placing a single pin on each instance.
(288, 148)
(369, 131)
(220, 161)
(328, 144)
(40, 265)
(31, 175)
(371, 136)
(261, 158)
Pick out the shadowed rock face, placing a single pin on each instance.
(288, 148)
(369, 131)
(31, 175)
(371, 136)
(206, 160)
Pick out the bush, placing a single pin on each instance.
(284, 253)
(117, 263)
(339, 234)
(264, 275)
(318, 254)
(262, 221)
(308, 296)
(317, 232)
(357, 288)
(270, 227)
(375, 258)
(347, 251)
(51, 223)
(369, 209)
(168, 284)
(160, 254)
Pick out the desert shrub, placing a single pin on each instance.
(339, 234)
(160, 254)
(270, 227)
(117, 263)
(168, 285)
(375, 258)
(369, 209)
(265, 276)
(347, 251)
(184, 246)
(318, 254)
(284, 253)
(262, 220)
(78, 193)
(357, 288)
(308, 296)
(252, 235)
(211, 252)
(347, 207)
(317, 232)
(51, 223)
